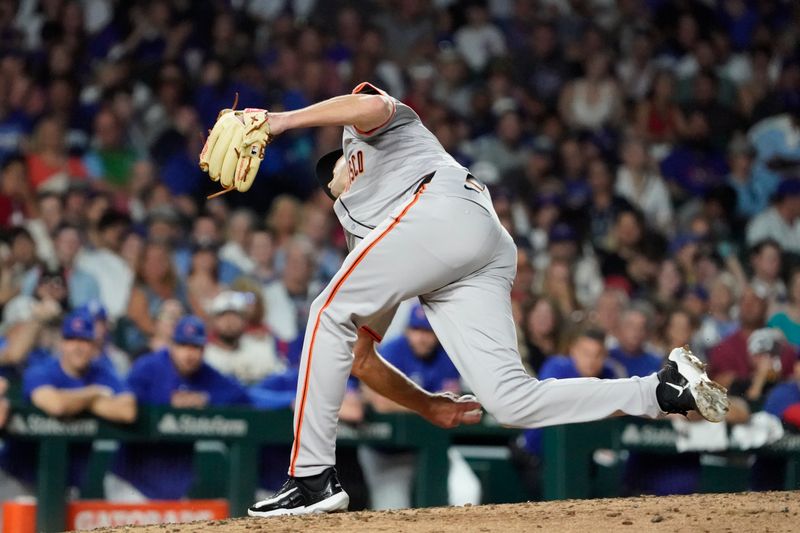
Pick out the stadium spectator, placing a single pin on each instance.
(669, 283)
(503, 147)
(283, 220)
(233, 352)
(719, 323)
(543, 329)
(788, 319)
(72, 384)
(774, 141)
(604, 203)
(781, 221)
(202, 281)
(288, 299)
(113, 275)
(659, 119)
(21, 254)
(680, 329)
(731, 364)
(239, 232)
(316, 227)
(81, 286)
(586, 357)
(115, 360)
(167, 318)
(634, 330)
(607, 313)
(765, 346)
(637, 70)
(593, 102)
(176, 377)
(783, 400)
(17, 200)
(766, 260)
(205, 234)
(156, 282)
(639, 182)
(479, 41)
(261, 250)
(111, 158)
(389, 473)
(750, 198)
(49, 164)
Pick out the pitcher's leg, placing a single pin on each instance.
(412, 253)
(472, 319)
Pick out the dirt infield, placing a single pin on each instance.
(770, 511)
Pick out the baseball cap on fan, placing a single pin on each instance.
(190, 330)
(232, 301)
(78, 325)
(764, 341)
(418, 320)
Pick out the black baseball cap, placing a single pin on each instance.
(324, 170)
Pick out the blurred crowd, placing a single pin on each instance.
(644, 156)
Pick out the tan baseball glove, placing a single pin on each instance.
(235, 148)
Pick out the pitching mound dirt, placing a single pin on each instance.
(766, 511)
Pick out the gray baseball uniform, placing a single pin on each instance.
(428, 229)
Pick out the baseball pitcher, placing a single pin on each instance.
(418, 224)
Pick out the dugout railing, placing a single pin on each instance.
(570, 470)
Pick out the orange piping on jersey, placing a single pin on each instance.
(372, 333)
(362, 255)
(360, 88)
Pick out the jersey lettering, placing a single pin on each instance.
(356, 165)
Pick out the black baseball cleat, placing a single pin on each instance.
(316, 494)
(684, 386)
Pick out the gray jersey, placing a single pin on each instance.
(386, 165)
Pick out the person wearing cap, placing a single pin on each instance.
(177, 377)
(694, 300)
(72, 384)
(731, 362)
(30, 325)
(109, 354)
(783, 402)
(109, 269)
(389, 474)
(781, 221)
(764, 347)
(233, 352)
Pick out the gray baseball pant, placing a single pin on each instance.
(446, 245)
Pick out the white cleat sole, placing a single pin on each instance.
(336, 503)
(711, 397)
